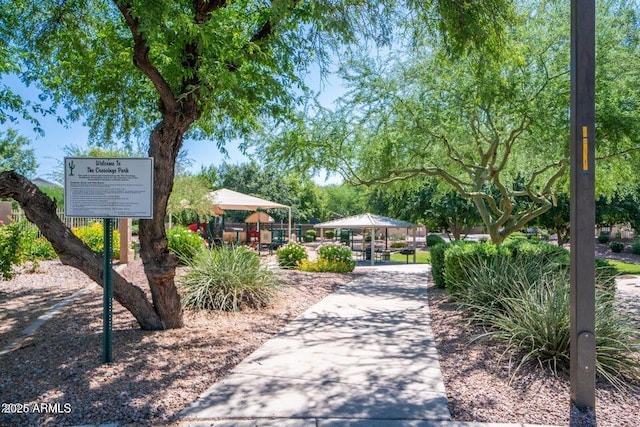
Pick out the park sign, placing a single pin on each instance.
(98, 187)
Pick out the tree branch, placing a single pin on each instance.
(204, 8)
(141, 59)
(620, 153)
(267, 28)
(510, 141)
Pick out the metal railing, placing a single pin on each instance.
(18, 215)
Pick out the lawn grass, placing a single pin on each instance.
(625, 267)
(422, 257)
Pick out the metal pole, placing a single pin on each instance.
(289, 231)
(582, 296)
(107, 294)
(415, 246)
(373, 244)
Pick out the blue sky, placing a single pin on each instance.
(49, 148)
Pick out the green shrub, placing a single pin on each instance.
(12, 243)
(515, 237)
(437, 263)
(398, 245)
(433, 239)
(41, 249)
(184, 243)
(310, 236)
(227, 279)
(290, 255)
(36, 248)
(93, 236)
(458, 258)
(635, 247)
(324, 266)
(19, 242)
(331, 257)
(526, 306)
(546, 252)
(335, 252)
(330, 234)
(603, 237)
(345, 237)
(616, 247)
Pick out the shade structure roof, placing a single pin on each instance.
(232, 200)
(366, 220)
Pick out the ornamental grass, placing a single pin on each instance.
(227, 279)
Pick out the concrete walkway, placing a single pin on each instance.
(364, 352)
(363, 356)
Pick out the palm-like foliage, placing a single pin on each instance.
(525, 304)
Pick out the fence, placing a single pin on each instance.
(19, 215)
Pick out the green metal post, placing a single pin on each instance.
(107, 294)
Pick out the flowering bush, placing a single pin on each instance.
(184, 243)
(12, 243)
(290, 255)
(335, 252)
(40, 248)
(332, 257)
(93, 236)
(325, 266)
(19, 242)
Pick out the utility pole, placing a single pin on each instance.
(582, 301)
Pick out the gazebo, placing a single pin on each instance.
(371, 222)
(225, 199)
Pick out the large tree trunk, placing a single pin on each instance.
(456, 229)
(41, 211)
(160, 264)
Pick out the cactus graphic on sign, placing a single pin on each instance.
(71, 168)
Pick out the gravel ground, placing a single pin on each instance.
(156, 374)
(480, 386)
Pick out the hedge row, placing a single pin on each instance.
(450, 261)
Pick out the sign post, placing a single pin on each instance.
(108, 188)
(582, 295)
(107, 294)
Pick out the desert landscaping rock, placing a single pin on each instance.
(155, 375)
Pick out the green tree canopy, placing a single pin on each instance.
(190, 194)
(15, 154)
(190, 68)
(291, 189)
(344, 200)
(496, 130)
(425, 200)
